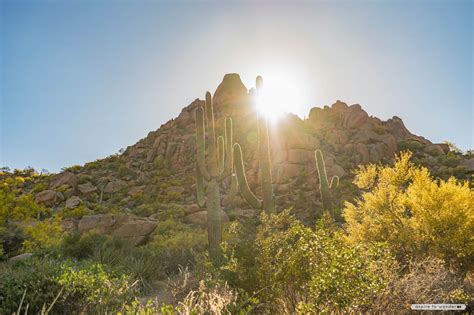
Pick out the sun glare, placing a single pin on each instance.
(280, 94)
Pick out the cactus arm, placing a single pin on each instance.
(334, 182)
(259, 82)
(228, 146)
(234, 189)
(200, 143)
(220, 154)
(212, 148)
(242, 179)
(200, 187)
(323, 183)
(214, 221)
(321, 167)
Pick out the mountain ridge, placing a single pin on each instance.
(159, 168)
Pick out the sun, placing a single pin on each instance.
(280, 93)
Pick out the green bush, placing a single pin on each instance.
(11, 240)
(90, 286)
(411, 145)
(75, 213)
(240, 252)
(140, 263)
(311, 270)
(35, 276)
(15, 206)
(73, 169)
(39, 187)
(87, 287)
(44, 235)
(81, 247)
(175, 244)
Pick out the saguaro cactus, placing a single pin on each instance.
(267, 202)
(211, 170)
(324, 185)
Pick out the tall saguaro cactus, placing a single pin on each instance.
(267, 202)
(324, 185)
(211, 170)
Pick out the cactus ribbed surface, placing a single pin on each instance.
(211, 170)
(267, 203)
(324, 185)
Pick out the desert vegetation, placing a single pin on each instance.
(176, 227)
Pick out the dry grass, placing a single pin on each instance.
(424, 282)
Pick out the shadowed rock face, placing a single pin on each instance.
(161, 165)
(231, 90)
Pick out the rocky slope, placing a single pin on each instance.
(158, 171)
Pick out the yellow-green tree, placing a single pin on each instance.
(415, 214)
(43, 235)
(13, 204)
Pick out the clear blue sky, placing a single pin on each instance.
(82, 79)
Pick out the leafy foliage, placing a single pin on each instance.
(89, 287)
(45, 234)
(14, 205)
(175, 244)
(309, 270)
(413, 213)
(93, 287)
(312, 270)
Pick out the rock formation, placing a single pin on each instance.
(160, 167)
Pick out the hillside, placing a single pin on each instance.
(126, 233)
(160, 167)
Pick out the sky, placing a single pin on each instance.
(80, 80)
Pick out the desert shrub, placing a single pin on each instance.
(45, 234)
(411, 145)
(414, 214)
(112, 251)
(91, 286)
(313, 270)
(240, 251)
(11, 239)
(123, 170)
(169, 211)
(75, 246)
(37, 277)
(172, 196)
(425, 281)
(73, 168)
(140, 263)
(39, 187)
(453, 147)
(291, 267)
(105, 208)
(87, 287)
(175, 243)
(144, 210)
(209, 297)
(451, 159)
(77, 212)
(215, 299)
(93, 165)
(16, 206)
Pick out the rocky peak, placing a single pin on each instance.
(161, 165)
(230, 91)
(397, 128)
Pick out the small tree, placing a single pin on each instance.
(415, 214)
(314, 271)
